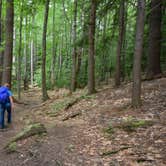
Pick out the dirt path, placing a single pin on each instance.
(82, 141)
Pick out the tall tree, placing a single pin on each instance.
(74, 57)
(154, 50)
(7, 64)
(26, 54)
(136, 89)
(44, 89)
(53, 49)
(19, 53)
(91, 57)
(32, 49)
(120, 43)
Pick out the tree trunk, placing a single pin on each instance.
(124, 43)
(120, 43)
(7, 64)
(19, 55)
(74, 57)
(136, 89)
(32, 52)
(53, 50)
(26, 56)
(44, 90)
(91, 58)
(154, 50)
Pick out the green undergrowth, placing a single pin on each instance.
(129, 125)
(67, 103)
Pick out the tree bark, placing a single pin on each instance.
(26, 55)
(19, 54)
(136, 89)
(44, 89)
(7, 64)
(32, 51)
(74, 57)
(154, 50)
(91, 57)
(124, 43)
(53, 49)
(120, 43)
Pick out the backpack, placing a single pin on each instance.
(4, 95)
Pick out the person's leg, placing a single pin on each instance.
(2, 115)
(9, 113)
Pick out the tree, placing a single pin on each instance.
(32, 49)
(7, 64)
(26, 55)
(53, 49)
(120, 43)
(74, 57)
(44, 90)
(91, 59)
(154, 49)
(19, 53)
(136, 89)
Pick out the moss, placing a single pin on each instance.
(12, 147)
(28, 131)
(109, 129)
(131, 124)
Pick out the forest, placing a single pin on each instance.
(90, 76)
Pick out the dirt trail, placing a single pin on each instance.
(82, 141)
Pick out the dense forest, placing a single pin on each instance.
(77, 43)
(89, 82)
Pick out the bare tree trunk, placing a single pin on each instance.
(154, 50)
(32, 52)
(74, 57)
(44, 89)
(91, 59)
(53, 50)
(19, 54)
(26, 56)
(120, 43)
(136, 89)
(7, 72)
(124, 43)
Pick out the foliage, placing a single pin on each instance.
(105, 43)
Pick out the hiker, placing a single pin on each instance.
(6, 103)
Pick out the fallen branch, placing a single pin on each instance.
(31, 130)
(109, 153)
(73, 115)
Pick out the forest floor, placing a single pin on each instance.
(97, 130)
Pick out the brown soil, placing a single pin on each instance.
(82, 140)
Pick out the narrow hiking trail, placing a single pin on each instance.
(77, 135)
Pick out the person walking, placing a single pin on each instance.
(6, 103)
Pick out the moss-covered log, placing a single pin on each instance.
(28, 131)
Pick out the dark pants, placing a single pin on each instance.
(4, 107)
